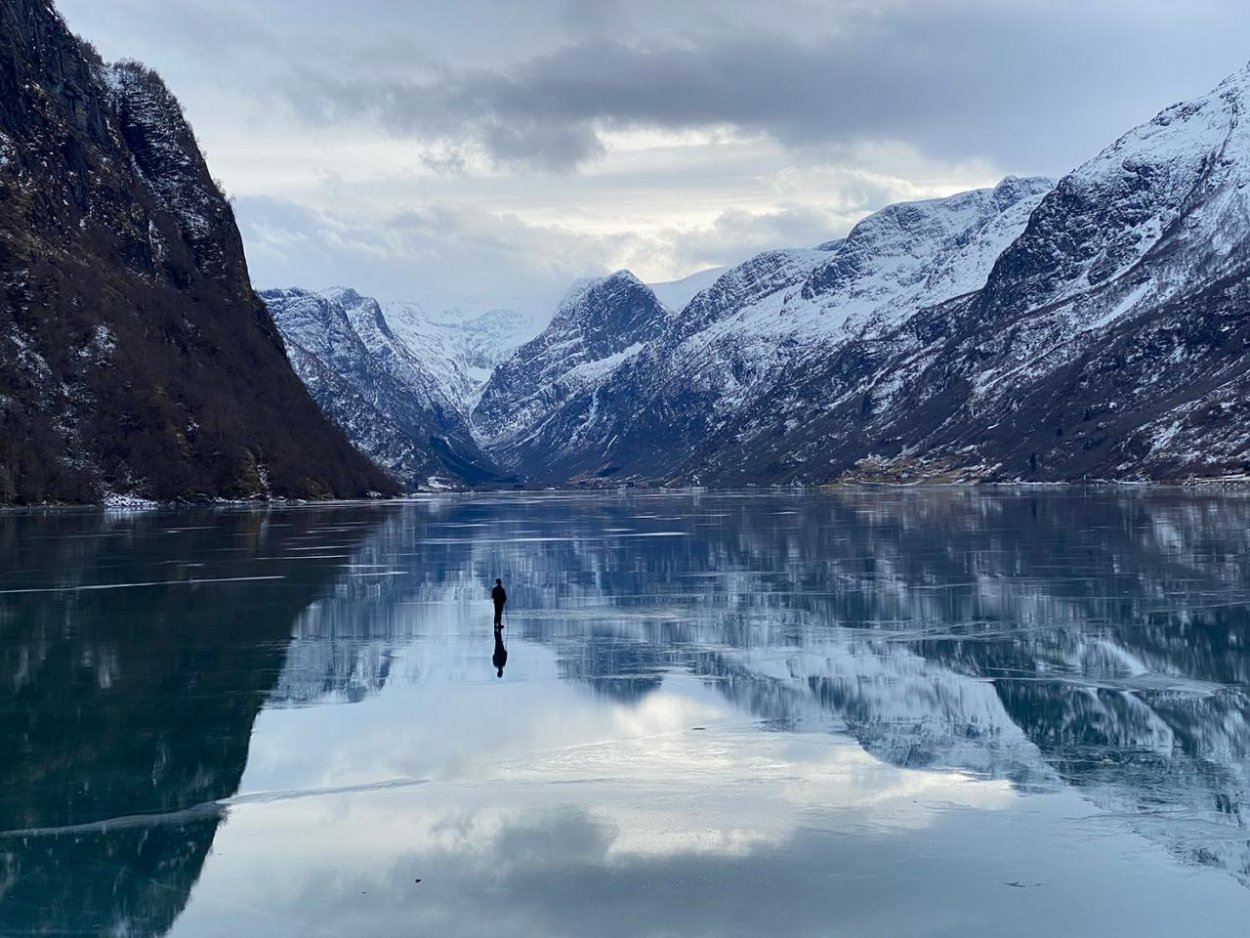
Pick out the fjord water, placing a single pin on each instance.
(869, 712)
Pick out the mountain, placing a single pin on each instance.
(134, 356)
(407, 415)
(1109, 341)
(698, 380)
(1090, 329)
(1034, 331)
(461, 350)
(599, 325)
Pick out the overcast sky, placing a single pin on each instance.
(486, 152)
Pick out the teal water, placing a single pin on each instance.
(944, 712)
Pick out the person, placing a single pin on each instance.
(499, 597)
(500, 657)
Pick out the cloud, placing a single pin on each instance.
(445, 255)
(227, 27)
(449, 255)
(954, 78)
(595, 17)
(484, 151)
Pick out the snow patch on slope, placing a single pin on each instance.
(677, 294)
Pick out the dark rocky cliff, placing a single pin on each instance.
(134, 356)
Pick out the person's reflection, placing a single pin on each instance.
(500, 657)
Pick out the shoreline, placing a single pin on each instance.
(127, 504)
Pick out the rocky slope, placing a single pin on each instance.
(134, 356)
(408, 416)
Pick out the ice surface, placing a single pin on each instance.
(957, 694)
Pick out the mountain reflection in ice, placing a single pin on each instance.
(1096, 641)
(135, 653)
(861, 712)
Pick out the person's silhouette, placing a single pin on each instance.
(498, 597)
(500, 657)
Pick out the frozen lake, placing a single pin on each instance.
(866, 713)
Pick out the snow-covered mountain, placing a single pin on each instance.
(1109, 341)
(405, 411)
(702, 373)
(462, 351)
(599, 326)
(1091, 328)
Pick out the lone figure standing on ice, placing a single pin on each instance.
(499, 597)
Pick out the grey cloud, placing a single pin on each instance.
(595, 17)
(225, 27)
(542, 144)
(455, 109)
(957, 78)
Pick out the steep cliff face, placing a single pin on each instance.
(134, 356)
